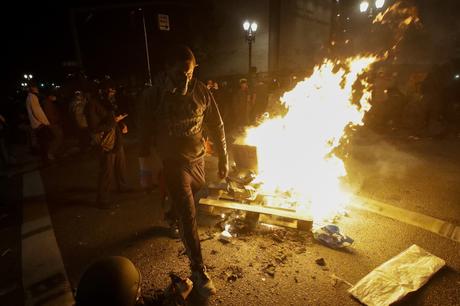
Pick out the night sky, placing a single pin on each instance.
(110, 34)
(39, 37)
(38, 40)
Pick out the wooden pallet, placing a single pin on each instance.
(304, 221)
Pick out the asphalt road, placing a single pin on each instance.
(417, 175)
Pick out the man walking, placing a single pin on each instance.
(39, 122)
(176, 108)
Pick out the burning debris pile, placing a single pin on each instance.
(295, 153)
(289, 167)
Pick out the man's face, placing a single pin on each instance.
(244, 86)
(52, 98)
(111, 92)
(180, 74)
(34, 89)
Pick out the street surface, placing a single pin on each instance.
(418, 175)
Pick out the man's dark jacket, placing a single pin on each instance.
(175, 123)
(101, 119)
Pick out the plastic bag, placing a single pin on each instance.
(395, 278)
(331, 236)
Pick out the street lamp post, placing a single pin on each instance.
(250, 29)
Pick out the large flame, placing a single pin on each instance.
(295, 151)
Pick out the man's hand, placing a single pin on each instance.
(223, 167)
(124, 128)
(120, 117)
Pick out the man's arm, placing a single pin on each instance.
(37, 110)
(99, 120)
(214, 122)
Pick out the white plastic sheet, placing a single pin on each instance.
(395, 278)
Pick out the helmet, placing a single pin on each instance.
(113, 281)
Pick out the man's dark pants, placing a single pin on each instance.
(183, 180)
(43, 134)
(112, 168)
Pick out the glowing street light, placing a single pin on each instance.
(379, 3)
(250, 28)
(246, 25)
(25, 76)
(363, 6)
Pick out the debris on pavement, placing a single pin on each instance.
(181, 252)
(278, 236)
(331, 236)
(338, 280)
(207, 236)
(301, 250)
(225, 236)
(269, 269)
(397, 277)
(236, 221)
(232, 273)
(175, 294)
(320, 261)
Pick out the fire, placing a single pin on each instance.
(398, 18)
(295, 152)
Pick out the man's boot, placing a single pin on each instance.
(202, 283)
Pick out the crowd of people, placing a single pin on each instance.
(57, 116)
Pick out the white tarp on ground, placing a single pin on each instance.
(395, 278)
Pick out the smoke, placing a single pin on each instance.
(371, 159)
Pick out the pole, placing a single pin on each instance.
(250, 53)
(146, 48)
(76, 42)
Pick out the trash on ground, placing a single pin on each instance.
(397, 277)
(320, 261)
(338, 280)
(269, 269)
(175, 294)
(236, 223)
(331, 236)
(225, 236)
(232, 273)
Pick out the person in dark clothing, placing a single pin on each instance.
(105, 127)
(174, 112)
(52, 113)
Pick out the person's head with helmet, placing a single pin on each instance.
(113, 281)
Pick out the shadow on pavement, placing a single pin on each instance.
(447, 274)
